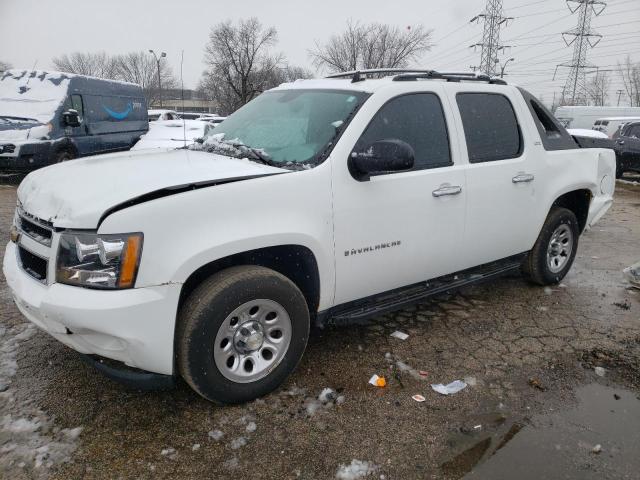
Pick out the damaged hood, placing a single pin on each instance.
(77, 193)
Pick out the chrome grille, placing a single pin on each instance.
(33, 244)
(39, 230)
(33, 264)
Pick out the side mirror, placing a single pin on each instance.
(71, 118)
(383, 156)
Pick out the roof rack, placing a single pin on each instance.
(401, 75)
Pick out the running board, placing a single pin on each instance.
(361, 310)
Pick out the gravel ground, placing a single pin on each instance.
(534, 400)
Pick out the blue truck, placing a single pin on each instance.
(50, 117)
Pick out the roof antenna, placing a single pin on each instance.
(184, 123)
(33, 69)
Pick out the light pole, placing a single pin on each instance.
(505, 66)
(163, 54)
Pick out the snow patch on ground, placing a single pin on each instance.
(30, 443)
(325, 400)
(356, 469)
(237, 443)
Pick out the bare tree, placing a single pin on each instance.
(630, 73)
(97, 64)
(4, 66)
(239, 62)
(141, 68)
(373, 45)
(598, 89)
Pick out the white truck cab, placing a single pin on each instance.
(319, 201)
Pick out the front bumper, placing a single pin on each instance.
(26, 157)
(134, 326)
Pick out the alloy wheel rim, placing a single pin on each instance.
(560, 248)
(252, 340)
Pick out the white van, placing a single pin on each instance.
(585, 117)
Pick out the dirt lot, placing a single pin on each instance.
(535, 406)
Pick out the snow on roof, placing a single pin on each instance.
(34, 95)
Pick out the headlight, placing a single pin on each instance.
(99, 261)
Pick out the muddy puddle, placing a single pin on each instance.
(597, 438)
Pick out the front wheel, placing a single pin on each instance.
(555, 249)
(241, 333)
(63, 156)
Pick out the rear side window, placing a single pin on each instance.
(417, 119)
(490, 127)
(634, 131)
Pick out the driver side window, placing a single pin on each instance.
(417, 119)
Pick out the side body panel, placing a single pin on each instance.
(391, 231)
(185, 231)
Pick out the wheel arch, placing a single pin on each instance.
(296, 262)
(578, 201)
(65, 145)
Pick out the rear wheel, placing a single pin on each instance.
(63, 156)
(241, 333)
(619, 169)
(555, 249)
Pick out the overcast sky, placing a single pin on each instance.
(35, 31)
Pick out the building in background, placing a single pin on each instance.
(193, 101)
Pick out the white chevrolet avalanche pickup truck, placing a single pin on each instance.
(320, 201)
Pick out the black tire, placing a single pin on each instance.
(63, 156)
(536, 267)
(619, 169)
(210, 305)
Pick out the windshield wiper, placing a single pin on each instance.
(260, 156)
(24, 119)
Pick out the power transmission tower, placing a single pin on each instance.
(582, 38)
(493, 20)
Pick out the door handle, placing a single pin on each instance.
(523, 178)
(446, 189)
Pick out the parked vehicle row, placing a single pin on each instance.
(319, 201)
(48, 117)
(159, 115)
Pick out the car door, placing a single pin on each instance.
(502, 196)
(79, 135)
(399, 228)
(630, 147)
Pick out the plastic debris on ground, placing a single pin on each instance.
(535, 382)
(632, 274)
(600, 371)
(597, 448)
(449, 389)
(400, 335)
(377, 381)
(418, 398)
(423, 373)
(216, 435)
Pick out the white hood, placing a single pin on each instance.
(76, 194)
